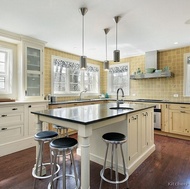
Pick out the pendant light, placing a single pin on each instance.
(106, 62)
(116, 53)
(83, 63)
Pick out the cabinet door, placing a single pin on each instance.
(31, 117)
(33, 71)
(176, 122)
(133, 138)
(147, 129)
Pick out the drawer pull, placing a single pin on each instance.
(3, 128)
(182, 107)
(3, 115)
(14, 109)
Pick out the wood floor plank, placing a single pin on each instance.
(167, 168)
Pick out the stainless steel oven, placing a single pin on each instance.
(157, 117)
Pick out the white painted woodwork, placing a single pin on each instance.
(18, 126)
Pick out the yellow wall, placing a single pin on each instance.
(47, 69)
(161, 88)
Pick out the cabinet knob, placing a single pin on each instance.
(30, 106)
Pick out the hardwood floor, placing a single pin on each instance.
(168, 167)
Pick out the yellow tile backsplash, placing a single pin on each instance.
(159, 88)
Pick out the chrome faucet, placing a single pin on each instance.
(119, 101)
(81, 93)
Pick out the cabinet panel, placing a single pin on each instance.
(133, 138)
(31, 117)
(11, 109)
(7, 119)
(10, 133)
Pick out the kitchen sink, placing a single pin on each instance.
(121, 108)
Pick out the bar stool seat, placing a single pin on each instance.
(43, 137)
(62, 145)
(114, 139)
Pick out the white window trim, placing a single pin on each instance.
(12, 49)
(77, 93)
(186, 90)
(108, 79)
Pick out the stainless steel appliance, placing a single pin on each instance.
(157, 117)
(157, 111)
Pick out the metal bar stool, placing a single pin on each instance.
(114, 139)
(41, 138)
(59, 129)
(62, 145)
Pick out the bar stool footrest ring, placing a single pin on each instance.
(44, 177)
(67, 175)
(113, 182)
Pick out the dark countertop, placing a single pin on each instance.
(158, 101)
(126, 100)
(91, 113)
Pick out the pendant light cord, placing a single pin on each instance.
(116, 36)
(106, 45)
(83, 35)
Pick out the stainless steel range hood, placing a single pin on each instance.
(151, 62)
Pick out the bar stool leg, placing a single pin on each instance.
(53, 156)
(39, 158)
(116, 165)
(124, 168)
(111, 168)
(64, 170)
(102, 172)
(74, 167)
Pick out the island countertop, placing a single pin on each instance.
(91, 113)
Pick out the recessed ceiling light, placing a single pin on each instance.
(175, 43)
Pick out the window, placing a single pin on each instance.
(6, 64)
(118, 76)
(186, 84)
(68, 78)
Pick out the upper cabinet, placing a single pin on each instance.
(32, 74)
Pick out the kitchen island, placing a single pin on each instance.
(91, 121)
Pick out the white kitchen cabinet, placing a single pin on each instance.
(133, 137)
(30, 70)
(140, 136)
(34, 107)
(33, 71)
(179, 119)
(17, 127)
(147, 129)
(11, 123)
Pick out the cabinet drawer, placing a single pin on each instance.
(14, 118)
(179, 106)
(11, 133)
(11, 109)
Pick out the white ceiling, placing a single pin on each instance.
(145, 25)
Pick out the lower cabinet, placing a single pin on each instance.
(17, 125)
(140, 134)
(179, 119)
